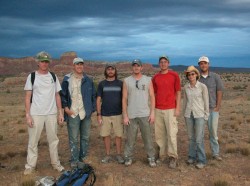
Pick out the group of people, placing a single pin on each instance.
(134, 104)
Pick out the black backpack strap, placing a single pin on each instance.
(33, 75)
(53, 75)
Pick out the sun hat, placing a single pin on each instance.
(203, 58)
(137, 61)
(43, 56)
(164, 57)
(192, 69)
(77, 60)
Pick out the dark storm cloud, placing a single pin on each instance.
(113, 30)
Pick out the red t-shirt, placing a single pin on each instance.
(165, 88)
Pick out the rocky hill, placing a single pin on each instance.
(25, 65)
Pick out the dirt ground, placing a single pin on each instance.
(234, 138)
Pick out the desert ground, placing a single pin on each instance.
(234, 139)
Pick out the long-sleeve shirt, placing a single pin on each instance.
(196, 100)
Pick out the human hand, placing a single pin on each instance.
(29, 120)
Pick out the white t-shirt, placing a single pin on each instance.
(44, 89)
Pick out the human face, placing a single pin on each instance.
(163, 63)
(192, 76)
(110, 71)
(204, 66)
(136, 69)
(78, 68)
(43, 66)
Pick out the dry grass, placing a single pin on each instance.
(222, 180)
(11, 154)
(28, 181)
(1, 137)
(21, 131)
(234, 148)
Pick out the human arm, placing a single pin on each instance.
(206, 102)
(59, 108)
(125, 103)
(151, 118)
(184, 101)
(218, 101)
(29, 120)
(98, 108)
(178, 105)
(219, 93)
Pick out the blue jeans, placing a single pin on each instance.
(76, 126)
(213, 128)
(195, 129)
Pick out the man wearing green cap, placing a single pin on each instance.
(42, 106)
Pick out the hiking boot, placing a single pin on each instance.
(190, 161)
(59, 168)
(106, 159)
(119, 159)
(28, 171)
(199, 165)
(128, 162)
(218, 158)
(151, 162)
(172, 163)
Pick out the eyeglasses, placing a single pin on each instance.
(136, 84)
(191, 74)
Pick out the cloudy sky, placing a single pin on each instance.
(118, 30)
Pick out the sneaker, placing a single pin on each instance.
(199, 165)
(119, 159)
(218, 158)
(172, 163)
(28, 171)
(151, 162)
(106, 159)
(128, 162)
(190, 161)
(59, 168)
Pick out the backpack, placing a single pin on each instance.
(33, 75)
(83, 174)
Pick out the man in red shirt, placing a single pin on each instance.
(167, 89)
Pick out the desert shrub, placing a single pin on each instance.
(23, 153)
(232, 148)
(8, 91)
(1, 137)
(221, 183)
(21, 131)
(235, 126)
(11, 154)
(3, 157)
(19, 121)
(239, 87)
(28, 181)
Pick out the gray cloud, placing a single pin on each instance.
(121, 30)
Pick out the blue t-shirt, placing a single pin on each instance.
(111, 95)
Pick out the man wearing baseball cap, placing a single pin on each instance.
(215, 90)
(42, 103)
(167, 88)
(79, 102)
(109, 111)
(137, 95)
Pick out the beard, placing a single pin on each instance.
(111, 75)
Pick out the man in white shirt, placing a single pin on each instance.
(42, 106)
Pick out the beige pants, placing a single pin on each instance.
(166, 128)
(50, 122)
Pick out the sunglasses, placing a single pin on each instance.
(191, 74)
(136, 84)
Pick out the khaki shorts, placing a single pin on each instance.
(109, 122)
